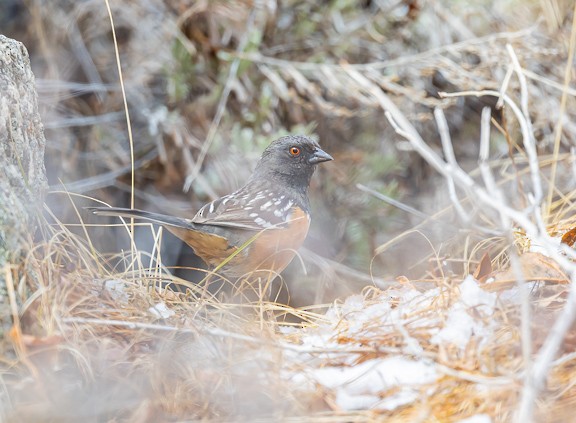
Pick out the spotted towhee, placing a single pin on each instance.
(258, 227)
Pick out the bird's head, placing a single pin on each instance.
(292, 159)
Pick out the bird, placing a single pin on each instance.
(257, 228)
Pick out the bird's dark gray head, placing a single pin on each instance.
(291, 160)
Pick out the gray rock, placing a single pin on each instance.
(22, 173)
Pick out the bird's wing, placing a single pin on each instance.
(249, 210)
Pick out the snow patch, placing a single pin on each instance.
(116, 288)
(478, 418)
(161, 311)
(465, 317)
(364, 385)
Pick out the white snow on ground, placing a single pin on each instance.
(359, 386)
(161, 311)
(465, 317)
(117, 289)
(395, 379)
(478, 418)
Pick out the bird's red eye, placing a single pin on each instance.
(294, 151)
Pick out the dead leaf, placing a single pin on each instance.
(402, 279)
(535, 267)
(569, 237)
(484, 267)
(45, 341)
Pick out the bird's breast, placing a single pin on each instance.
(271, 250)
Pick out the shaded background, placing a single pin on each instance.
(176, 60)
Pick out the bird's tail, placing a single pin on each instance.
(160, 219)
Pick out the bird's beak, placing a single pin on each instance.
(320, 156)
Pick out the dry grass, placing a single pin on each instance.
(87, 345)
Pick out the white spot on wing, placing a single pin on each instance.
(211, 210)
(260, 195)
(287, 206)
(266, 205)
(261, 222)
